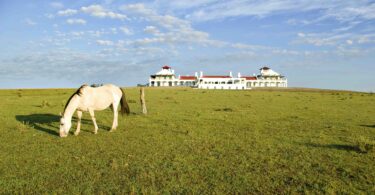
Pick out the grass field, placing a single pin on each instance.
(192, 141)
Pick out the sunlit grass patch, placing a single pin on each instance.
(192, 142)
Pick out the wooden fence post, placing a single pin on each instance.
(143, 101)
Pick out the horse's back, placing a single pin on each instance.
(112, 89)
(100, 98)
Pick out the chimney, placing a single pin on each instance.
(196, 74)
(239, 75)
(201, 74)
(230, 74)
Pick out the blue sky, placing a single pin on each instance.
(315, 43)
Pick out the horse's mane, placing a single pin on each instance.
(78, 92)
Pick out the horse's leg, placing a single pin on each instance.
(91, 111)
(79, 115)
(115, 116)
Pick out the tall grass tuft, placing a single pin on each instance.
(45, 103)
(365, 145)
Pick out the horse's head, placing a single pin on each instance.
(64, 127)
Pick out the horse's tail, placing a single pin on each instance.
(124, 105)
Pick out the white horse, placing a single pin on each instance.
(89, 99)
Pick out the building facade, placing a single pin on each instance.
(221, 82)
(266, 78)
(166, 78)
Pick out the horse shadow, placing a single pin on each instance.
(39, 121)
(335, 146)
(49, 123)
(373, 126)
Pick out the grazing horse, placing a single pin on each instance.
(89, 99)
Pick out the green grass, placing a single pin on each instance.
(192, 141)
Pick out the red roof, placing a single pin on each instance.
(188, 78)
(249, 77)
(166, 67)
(218, 76)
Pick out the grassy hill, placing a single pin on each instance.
(192, 141)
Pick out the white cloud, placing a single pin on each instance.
(365, 39)
(179, 31)
(286, 52)
(183, 4)
(166, 21)
(59, 41)
(100, 32)
(320, 39)
(206, 10)
(56, 5)
(225, 9)
(151, 30)
(66, 63)
(99, 11)
(30, 22)
(353, 11)
(301, 34)
(243, 46)
(126, 30)
(67, 12)
(49, 16)
(114, 30)
(137, 8)
(75, 21)
(104, 42)
(96, 33)
(182, 36)
(77, 33)
(334, 39)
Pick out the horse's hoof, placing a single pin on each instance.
(112, 130)
(76, 134)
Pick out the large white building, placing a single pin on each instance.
(166, 78)
(266, 78)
